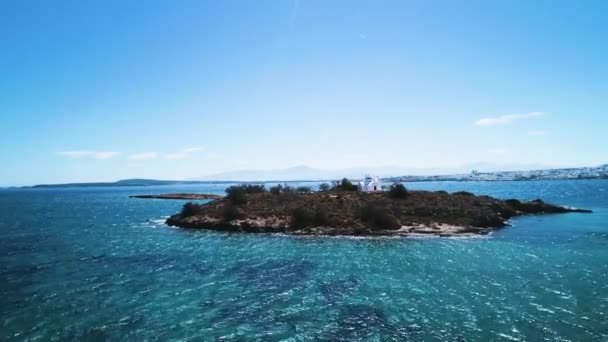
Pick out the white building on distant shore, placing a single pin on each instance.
(370, 184)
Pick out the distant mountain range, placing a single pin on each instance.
(304, 173)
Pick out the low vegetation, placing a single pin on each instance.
(237, 194)
(345, 185)
(397, 191)
(303, 217)
(277, 189)
(189, 209)
(376, 216)
(463, 193)
(233, 212)
(344, 212)
(324, 187)
(286, 189)
(513, 202)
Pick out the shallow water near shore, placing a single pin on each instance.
(93, 264)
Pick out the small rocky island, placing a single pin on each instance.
(342, 210)
(179, 196)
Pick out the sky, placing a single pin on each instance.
(107, 90)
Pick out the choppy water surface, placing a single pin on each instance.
(92, 264)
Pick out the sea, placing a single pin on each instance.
(92, 264)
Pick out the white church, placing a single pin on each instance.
(370, 184)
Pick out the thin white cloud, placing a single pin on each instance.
(179, 155)
(506, 119)
(143, 156)
(194, 149)
(85, 154)
(498, 151)
(184, 153)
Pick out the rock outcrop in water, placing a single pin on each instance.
(360, 214)
(179, 196)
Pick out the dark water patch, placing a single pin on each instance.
(15, 284)
(23, 244)
(265, 313)
(364, 322)
(253, 309)
(149, 263)
(279, 274)
(201, 268)
(111, 330)
(137, 274)
(240, 311)
(338, 289)
(207, 304)
(18, 272)
(95, 334)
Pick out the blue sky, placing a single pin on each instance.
(103, 90)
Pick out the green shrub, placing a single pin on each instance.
(323, 187)
(321, 217)
(397, 191)
(301, 218)
(441, 192)
(254, 188)
(288, 189)
(378, 217)
(275, 190)
(232, 212)
(513, 202)
(237, 194)
(463, 193)
(345, 185)
(189, 209)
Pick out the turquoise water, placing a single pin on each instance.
(94, 265)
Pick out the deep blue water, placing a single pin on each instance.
(92, 264)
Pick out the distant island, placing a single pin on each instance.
(343, 210)
(120, 183)
(599, 172)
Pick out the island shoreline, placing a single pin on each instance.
(341, 213)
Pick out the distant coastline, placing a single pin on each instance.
(578, 173)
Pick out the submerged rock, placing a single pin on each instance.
(360, 214)
(179, 196)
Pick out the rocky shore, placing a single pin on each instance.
(360, 214)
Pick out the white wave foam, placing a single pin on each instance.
(509, 337)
